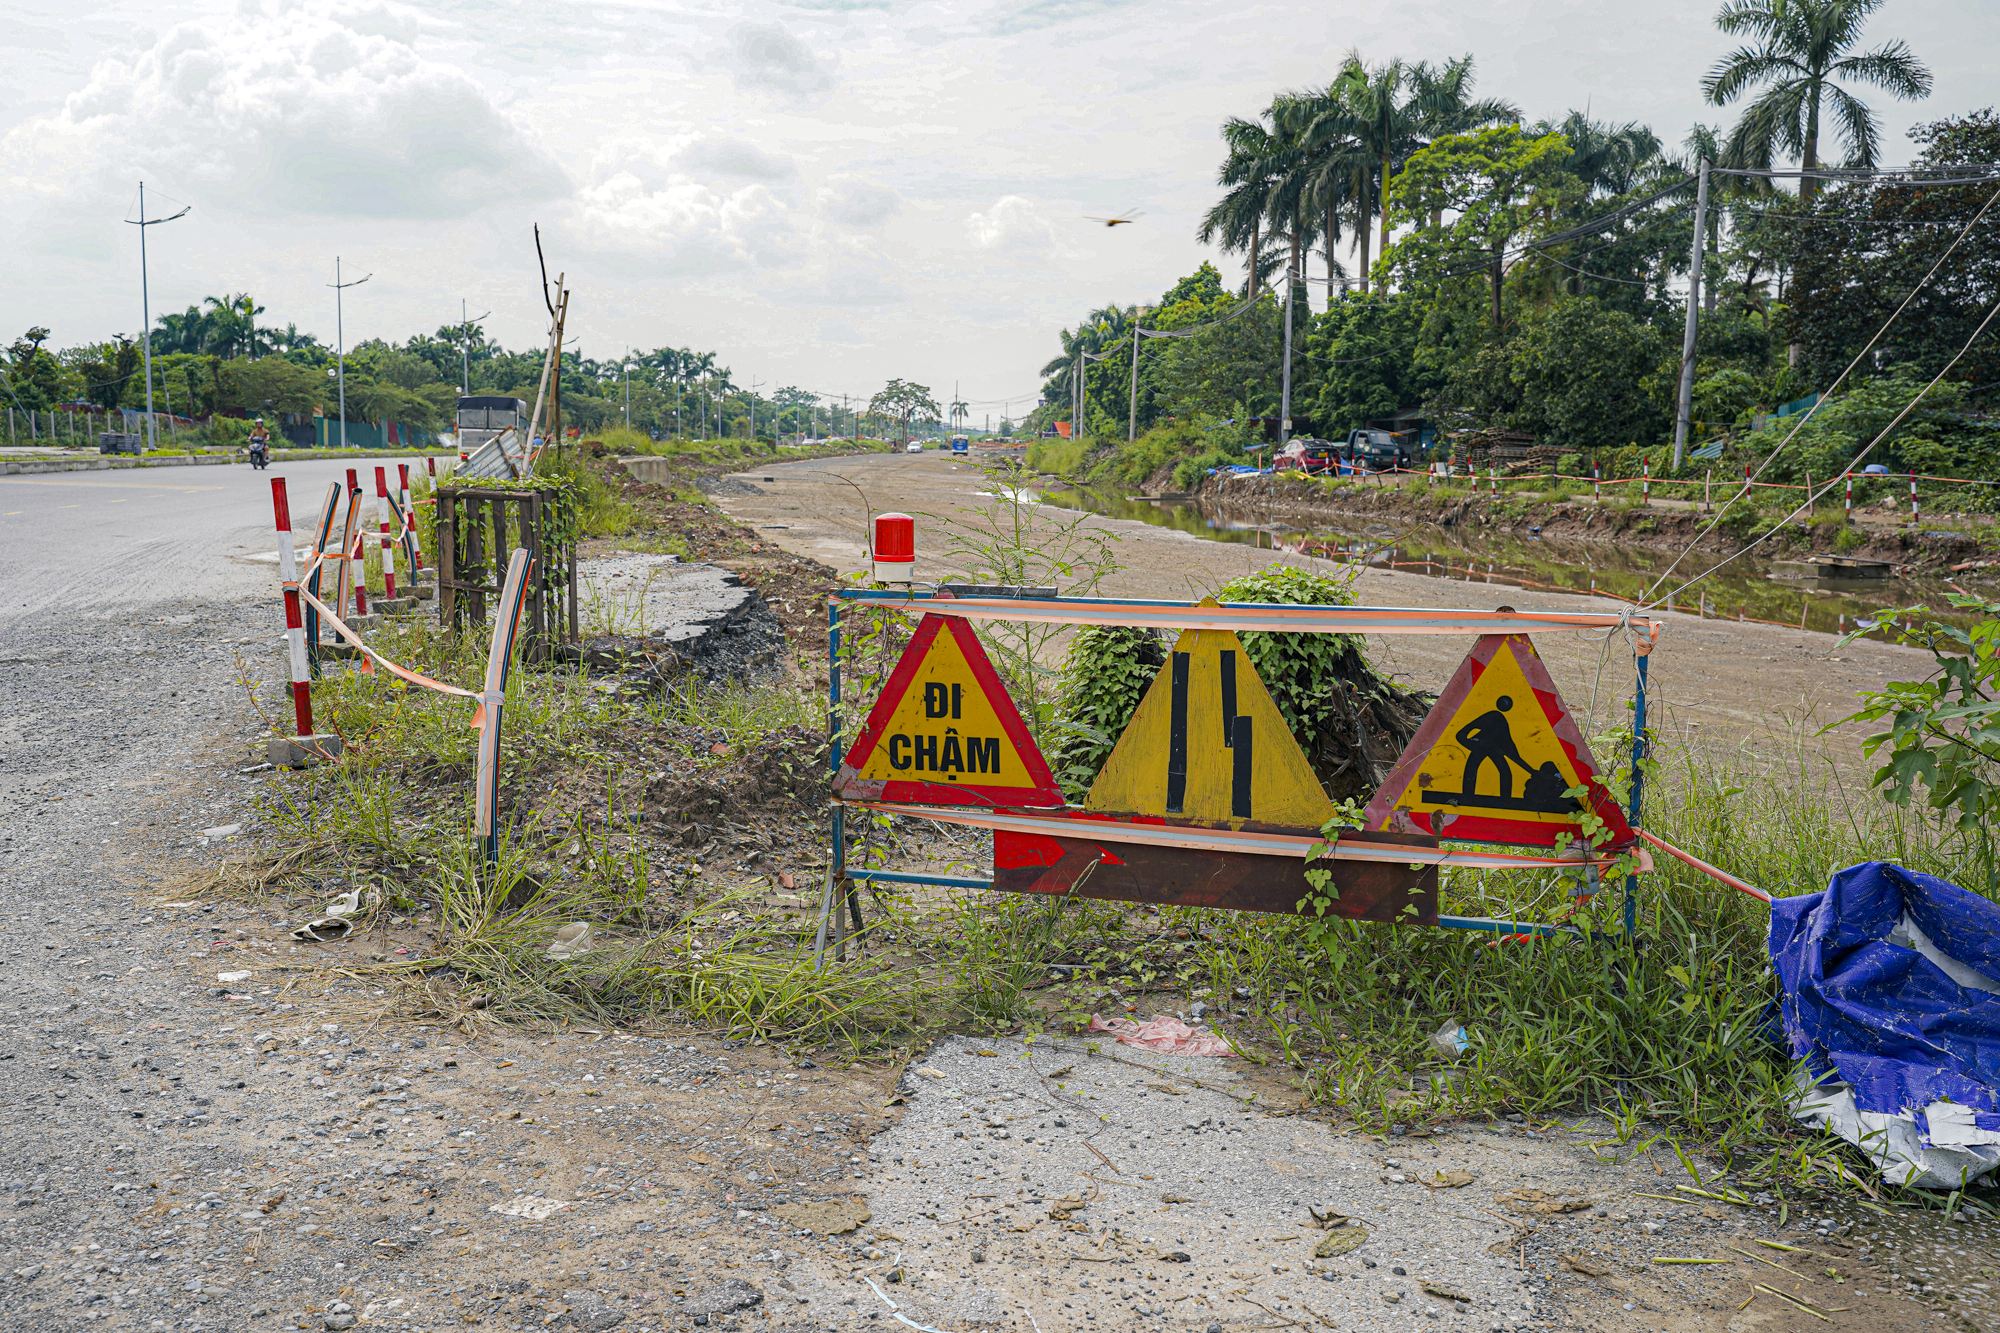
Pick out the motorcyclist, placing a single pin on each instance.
(260, 444)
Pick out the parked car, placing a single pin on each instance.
(1306, 454)
(1379, 450)
(914, 447)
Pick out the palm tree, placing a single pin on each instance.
(1609, 159)
(1249, 173)
(1803, 47)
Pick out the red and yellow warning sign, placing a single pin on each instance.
(1497, 760)
(944, 731)
(1208, 745)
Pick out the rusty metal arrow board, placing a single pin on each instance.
(945, 732)
(1495, 758)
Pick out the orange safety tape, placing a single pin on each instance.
(1350, 847)
(1720, 876)
(479, 700)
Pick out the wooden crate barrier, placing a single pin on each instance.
(477, 527)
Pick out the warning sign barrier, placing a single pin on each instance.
(1206, 798)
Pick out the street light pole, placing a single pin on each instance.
(340, 339)
(146, 308)
(1685, 395)
(628, 388)
(465, 347)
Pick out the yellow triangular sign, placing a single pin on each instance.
(1495, 758)
(1208, 745)
(944, 731)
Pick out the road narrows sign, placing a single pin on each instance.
(945, 732)
(1208, 745)
(1494, 757)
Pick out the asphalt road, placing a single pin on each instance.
(94, 542)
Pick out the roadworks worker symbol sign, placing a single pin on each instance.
(944, 731)
(1498, 759)
(1208, 745)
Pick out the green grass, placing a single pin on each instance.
(1666, 1033)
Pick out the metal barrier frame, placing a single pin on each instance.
(838, 898)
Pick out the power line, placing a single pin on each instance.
(1814, 409)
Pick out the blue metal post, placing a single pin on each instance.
(833, 738)
(1638, 788)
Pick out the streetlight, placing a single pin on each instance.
(146, 306)
(465, 345)
(340, 339)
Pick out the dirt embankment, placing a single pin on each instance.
(1886, 536)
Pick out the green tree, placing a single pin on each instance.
(1588, 376)
(903, 402)
(1249, 175)
(272, 384)
(1800, 52)
(34, 376)
(1502, 183)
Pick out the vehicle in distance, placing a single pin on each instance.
(1306, 454)
(482, 416)
(961, 444)
(1378, 450)
(914, 447)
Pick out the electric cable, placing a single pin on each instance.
(1814, 409)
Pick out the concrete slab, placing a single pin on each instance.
(701, 616)
(1196, 1205)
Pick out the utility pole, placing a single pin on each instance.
(1076, 399)
(1285, 407)
(1686, 397)
(628, 387)
(340, 339)
(146, 307)
(1132, 422)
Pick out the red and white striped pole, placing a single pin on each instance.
(295, 621)
(1847, 511)
(410, 520)
(388, 538)
(1645, 481)
(1596, 483)
(356, 553)
(1913, 495)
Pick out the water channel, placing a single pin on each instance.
(1744, 590)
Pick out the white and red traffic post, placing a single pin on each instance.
(1913, 495)
(307, 745)
(388, 536)
(410, 523)
(355, 552)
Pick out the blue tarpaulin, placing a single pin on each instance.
(1888, 993)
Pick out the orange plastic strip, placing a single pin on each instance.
(1720, 876)
(414, 677)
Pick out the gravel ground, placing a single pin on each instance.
(287, 1149)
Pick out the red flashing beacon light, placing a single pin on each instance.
(895, 553)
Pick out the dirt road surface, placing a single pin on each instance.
(1719, 683)
(208, 1126)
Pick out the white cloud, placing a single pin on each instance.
(280, 109)
(1013, 223)
(769, 58)
(721, 156)
(642, 202)
(858, 203)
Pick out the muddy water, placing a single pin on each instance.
(1748, 589)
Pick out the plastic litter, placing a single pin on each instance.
(333, 924)
(1888, 984)
(1165, 1034)
(576, 938)
(1450, 1040)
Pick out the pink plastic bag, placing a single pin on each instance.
(1165, 1034)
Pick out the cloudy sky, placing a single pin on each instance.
(828, 192)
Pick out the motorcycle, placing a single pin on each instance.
(260, 455)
